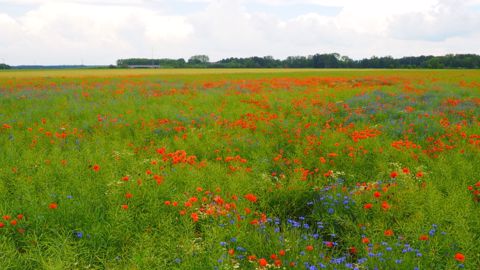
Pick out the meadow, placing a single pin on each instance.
(240, 169)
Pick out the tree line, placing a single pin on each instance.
(4, 66)
(329, 60)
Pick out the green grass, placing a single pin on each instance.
(311, 145)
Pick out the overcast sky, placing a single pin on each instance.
(100, 32)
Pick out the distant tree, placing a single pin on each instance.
(199, 59)
(5, 66)
(331, 60)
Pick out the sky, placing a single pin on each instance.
(98, 32)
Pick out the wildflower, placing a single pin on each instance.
(367, 206)
(393, 174)
(251, 197)
(231, 252)
(128, 195)
(277, 263)
(53, 206)
(262, 262)
(282, 252)
(365, 240)
(13, 222)
(419, 174)
(6, 217)
(194, 217)
(385, 205)
(309, 248)
(377, 194)
(2, 225)
(388, 232)
(252, 258)
(125, 178)
(124, 206)
(96, 167)
(20, 216)
(423, 237)
(405, 170)
(459, 257)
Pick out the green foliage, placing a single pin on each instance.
(196, 170)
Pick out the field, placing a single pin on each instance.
(240, 169)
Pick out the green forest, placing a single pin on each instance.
(331, 60)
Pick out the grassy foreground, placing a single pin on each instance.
(240, 169)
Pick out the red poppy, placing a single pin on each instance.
(96, 167)
(385, 206)
(128, 195)
(459, 257)
(309, 248)
(194, 217)
(53, 206)
(2, 225)
(423, 237)
(388, 232)
(393, 174)
(251, 197)
(262, 262)
(367, 206)
(377, 194)
(124, 206)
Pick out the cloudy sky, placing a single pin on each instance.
(102, 31)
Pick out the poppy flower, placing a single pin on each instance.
(262, 262)
(53, 206)
(393, 174)
(124, 206)
(423, 237)
(251, 197)
(377, 194)
(385, 206)
(96, 167)
(459, 257)
(388, 232)
(194, 217)
(309, 248)
(367, 206)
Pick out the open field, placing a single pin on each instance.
(240, 169)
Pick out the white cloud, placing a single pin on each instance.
(99, 32)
